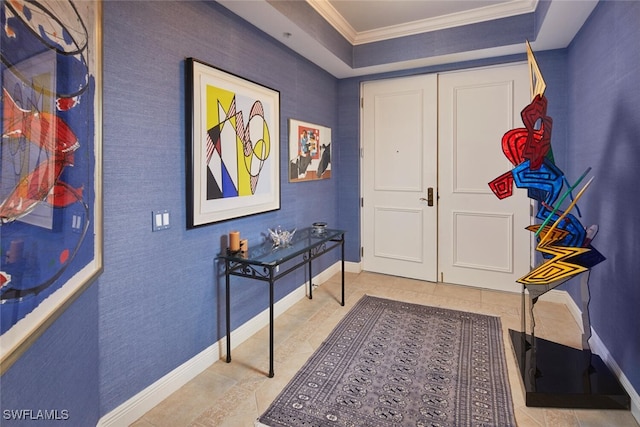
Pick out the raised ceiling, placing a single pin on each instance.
(362, 21)
(364, 26)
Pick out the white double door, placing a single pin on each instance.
(430, 146)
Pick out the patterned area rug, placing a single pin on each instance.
(391, 363)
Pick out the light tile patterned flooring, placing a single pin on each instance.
(235, 394)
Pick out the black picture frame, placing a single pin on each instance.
(233, 145)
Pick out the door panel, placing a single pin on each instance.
(399, 128)
(398, 243)
(483, 241)
(491, 246)
(397, 148)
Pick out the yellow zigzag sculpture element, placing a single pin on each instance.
(557, 268)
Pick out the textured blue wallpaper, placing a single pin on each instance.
(603, 69)
(162, 299)
(58, 373)
(500, 32)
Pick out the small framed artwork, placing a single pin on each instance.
(233, 139)
(309, 151)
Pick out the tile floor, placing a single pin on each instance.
(235, 394)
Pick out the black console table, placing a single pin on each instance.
(263, 263)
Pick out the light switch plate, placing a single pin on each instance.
(160, 220)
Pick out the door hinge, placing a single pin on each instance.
(530, 210)
(361, 251)
(441, 276)
(362, 202)
(361, 102)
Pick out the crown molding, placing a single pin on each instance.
(487, 13)
(334, 18)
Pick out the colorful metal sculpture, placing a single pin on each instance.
(565, 245)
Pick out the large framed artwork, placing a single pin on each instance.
(233, 156)
(309, 151)
(50, 164)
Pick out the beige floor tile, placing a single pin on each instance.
(561, 417)
(189, 401)
(142, 422)
(465, 293)
(593, 418)
(506, 299)
(235, 394)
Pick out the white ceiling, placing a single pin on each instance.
(366, 21)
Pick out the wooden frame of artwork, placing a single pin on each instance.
(233, 140)
(309, 151)
(51, 154)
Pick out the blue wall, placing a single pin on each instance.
(604, 132)
(162, 301)
(159, 301)
(59, 372)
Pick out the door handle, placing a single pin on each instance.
(429, 198)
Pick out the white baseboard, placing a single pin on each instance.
(147, 399)
(597, 347)
(352, 267)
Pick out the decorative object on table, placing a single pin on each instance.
(319, 228)
(309, 151)
(233, 156)
(393, 363)
(234, 241)
(51, 184)
(561, 377)
(281, 238)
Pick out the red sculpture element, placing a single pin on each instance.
(538, 140)
(502, 186)
(513, 143)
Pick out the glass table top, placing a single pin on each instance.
(268, 255)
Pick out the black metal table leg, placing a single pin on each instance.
(342, 267)
(310, 278)
(271, 373)
(228, 314)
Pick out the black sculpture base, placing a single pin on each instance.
(558, 376)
